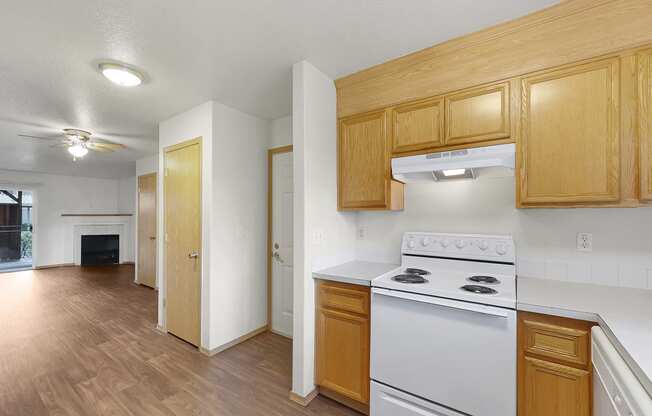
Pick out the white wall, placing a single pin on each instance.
(238, 301)
(545, 238)
(281, 132)
(196, 122)
(323, 236)
(148, 164)
(234, 218)
(54, 195)
(127, 195)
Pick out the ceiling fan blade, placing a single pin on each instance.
(107, 145)
(38, 137)
(94, 147)
(62, 144)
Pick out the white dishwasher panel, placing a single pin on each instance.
(616, 391)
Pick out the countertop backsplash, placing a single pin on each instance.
(608, 273)
(546, 239)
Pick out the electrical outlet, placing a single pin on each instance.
(584, 242)
(361, 233)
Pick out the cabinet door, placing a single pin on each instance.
(478, 114)
(364, 162)
(343, 354)
(418, 126)
(555, 389)
(645, 119)
(570, 135)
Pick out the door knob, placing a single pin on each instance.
(193, 255)
(152, 238)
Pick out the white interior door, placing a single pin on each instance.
(282, 243)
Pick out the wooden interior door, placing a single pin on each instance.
(183, 240)
(645, 120)
(147, 230)
(570, 137)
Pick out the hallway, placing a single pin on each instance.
(82, 341)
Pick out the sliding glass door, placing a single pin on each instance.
(15, 230)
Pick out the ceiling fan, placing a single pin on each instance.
(79, 142)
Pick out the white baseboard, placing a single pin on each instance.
(233, 343)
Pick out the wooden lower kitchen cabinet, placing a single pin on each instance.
(554, 366)
(342, 343)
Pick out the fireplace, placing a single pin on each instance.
(100, 249)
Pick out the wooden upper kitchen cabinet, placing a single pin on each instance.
(478, 114)
(364, 164)
(418, 125)
(554, 366)
(645, 121)
(342, 342)
(570, 130)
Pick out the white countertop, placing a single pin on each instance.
(356, 272)
(624, 314)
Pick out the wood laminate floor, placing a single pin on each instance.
(82, 341)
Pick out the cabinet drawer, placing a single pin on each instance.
(344, 297)
(570, 345)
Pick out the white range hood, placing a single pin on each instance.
(492, 161)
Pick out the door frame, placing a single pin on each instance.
(163, 275)
(270, 226)
(137, 254)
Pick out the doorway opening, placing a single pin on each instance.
(280, 315)
(16, 230)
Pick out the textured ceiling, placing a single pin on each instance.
(238, 52)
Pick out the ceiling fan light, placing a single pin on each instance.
(121, 75)
(78, 150)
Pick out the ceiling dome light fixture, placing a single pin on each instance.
(78, 150)
(121, 74)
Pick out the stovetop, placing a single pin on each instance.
(475, 272)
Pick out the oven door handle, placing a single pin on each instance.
(471, 307)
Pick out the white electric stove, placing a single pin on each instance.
(443, 328)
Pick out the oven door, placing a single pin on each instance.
(459, 355)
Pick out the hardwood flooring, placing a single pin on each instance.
(82, 341)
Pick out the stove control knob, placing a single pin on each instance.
(483, 245)
(445, 243)
(425, 241)
(410, 244)
(501, 249)
(460, 244)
